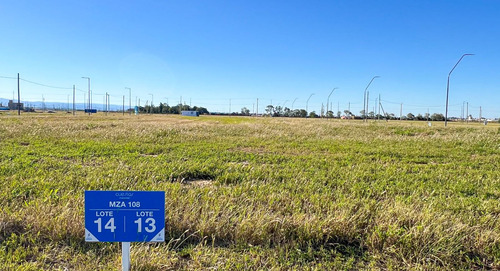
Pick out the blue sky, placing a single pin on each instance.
(213, 53)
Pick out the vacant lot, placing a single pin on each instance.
(254, 193)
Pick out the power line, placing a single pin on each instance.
(43, 85)
(8, 77)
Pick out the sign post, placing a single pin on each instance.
(125, 216)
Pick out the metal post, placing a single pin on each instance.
(448, 88)
(125, 256)
(18, 96)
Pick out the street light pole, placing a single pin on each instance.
(90, 105)
(328, 100)
(293, 102)
(283, 106)
(151, 106)
(365, 107)
(448, 88)
(129, 100)
(307, 102)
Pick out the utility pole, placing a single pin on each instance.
(90, 101)
(73, 100)
(401, 112)
(480, 114)
(106, 103)
(257, 108)
(463, 110)
(367, 100)
(467, 112)
(18, 96)
(379, 103)
(129, 100)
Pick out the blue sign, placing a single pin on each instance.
(124, 216)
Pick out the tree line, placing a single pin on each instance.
(176, 109)
(279, 111)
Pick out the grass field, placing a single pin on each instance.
(254, 193)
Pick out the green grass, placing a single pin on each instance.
(254, 193)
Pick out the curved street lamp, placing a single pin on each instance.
(328, 100)
(283, 106)
(448, 88)
(365, 102)
(293, 102)
(308, 102)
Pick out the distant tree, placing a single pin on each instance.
(338, 114)
(419, 117)
(245, 111)
(270, 110)
(302, 113)
(299, 113)
(410, 116)
(371, 115)
(437, 117)
(278, 111)
(313, 115)
(362, 113)
(202, 111)
(329, 114)
(287, 112)
(427, 116)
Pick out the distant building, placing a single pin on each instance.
(190, 113)
(14, 106)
